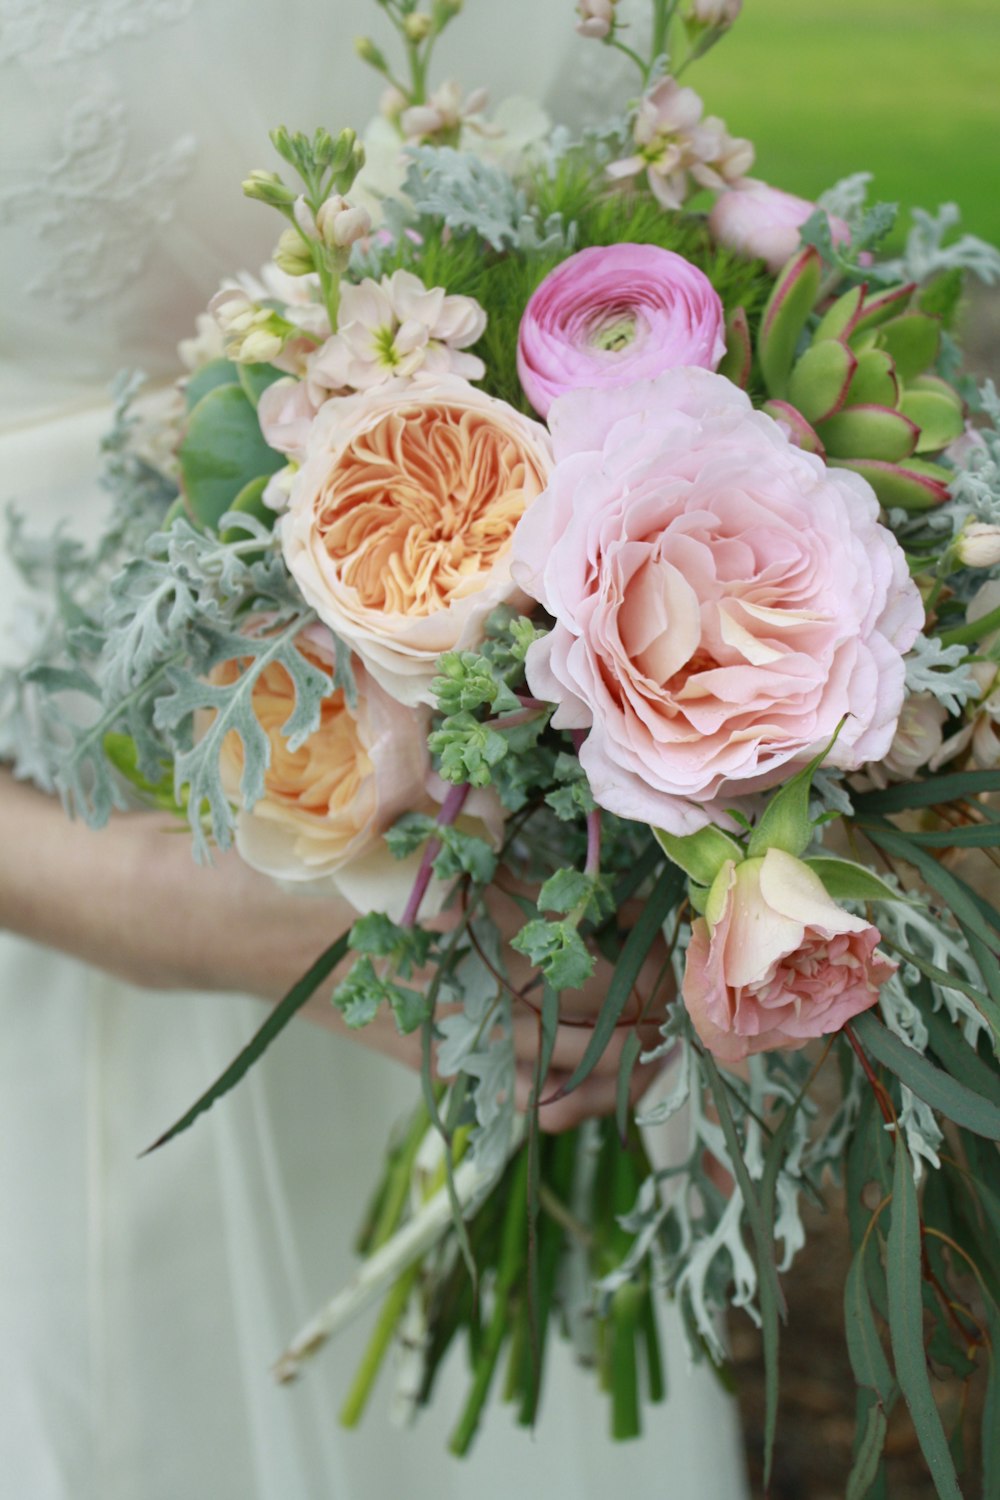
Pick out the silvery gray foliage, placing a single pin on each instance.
(976, 486)
(465, 192)
(478, 1041)
(927, 255)
(848, 198)
(941, 670)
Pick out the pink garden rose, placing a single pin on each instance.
(722, 600)
(610, 315)
(400, 522)
(780, 963)
(757, 221)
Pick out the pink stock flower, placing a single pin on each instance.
(611, 315)
(721, 599)
(674, 144)
(780, 963)
(761, 222)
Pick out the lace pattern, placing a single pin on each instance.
(60, 30)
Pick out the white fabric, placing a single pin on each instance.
(143, 1301)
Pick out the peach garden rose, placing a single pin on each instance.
(327, 803)
(722, 600)
(778, 962)
(400, 522)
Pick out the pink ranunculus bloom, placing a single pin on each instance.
(611, 315)
(757, 221)
(721, 599)
(780, 963)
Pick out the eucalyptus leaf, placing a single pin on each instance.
(929, 1083)
(223, 450)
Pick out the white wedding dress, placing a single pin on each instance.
(142, 1302)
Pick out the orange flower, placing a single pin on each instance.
(326, 803)
(400, 521)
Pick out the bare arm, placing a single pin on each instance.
(131, 900)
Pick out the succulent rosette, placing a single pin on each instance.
(400, 522)
(614, 314)
(721, 599)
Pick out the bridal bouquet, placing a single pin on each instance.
(581, 528)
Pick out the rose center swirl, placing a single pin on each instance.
(422, 503)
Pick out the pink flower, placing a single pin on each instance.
(609, 316)
(674, 144)
(779, 963)
(761, 222)
(722, 600)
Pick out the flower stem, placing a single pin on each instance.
(450, 809)
(378, 1346)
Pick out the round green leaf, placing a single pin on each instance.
(222, 452)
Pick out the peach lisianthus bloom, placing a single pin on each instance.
(399, 525)
(327, 802)
(780, 962)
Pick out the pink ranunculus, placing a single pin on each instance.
(780, 963)
(610, 315)
(722, 600)
(757, 221)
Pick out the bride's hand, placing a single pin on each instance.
(131, 900)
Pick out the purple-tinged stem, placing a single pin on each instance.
(519, 716)
(451, 807)
(533, 703)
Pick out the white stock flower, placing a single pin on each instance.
(392, 329)
(675, 144)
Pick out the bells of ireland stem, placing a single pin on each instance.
(862, 393)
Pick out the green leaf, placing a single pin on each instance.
(864, 1347)
(957, 786)
(906, 1329)
(906, 486)
(971, 836)
(940, 420)
(250, 502)
(255, 380)
(785, 823)
(846, 881)
(631, 1048)
(222, 451)
(700, 855)
(205, 379)
(874, 381)
(864, 1470)
(300, 992)
(789, 305)
(558, 950)
(819, 382)
(959, 1058)
(121, 751)
(929, 1083)
(664, 896)
(463, 853)
(913, 341)
(957, 896)
(876, 432)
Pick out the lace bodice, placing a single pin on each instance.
(128, 127)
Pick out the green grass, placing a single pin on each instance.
(907, 89)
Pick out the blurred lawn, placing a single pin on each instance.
(907, 89)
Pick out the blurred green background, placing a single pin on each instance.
(906, 89)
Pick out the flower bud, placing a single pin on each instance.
(267, 187)
(418, 26)
(293, 254)
(304, 217)
(370, 54)
(711, 13)
(597, 18)
(392, 104)
(341, 223)
(978, 545)
(259, 347)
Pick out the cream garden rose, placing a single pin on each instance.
(399, 524)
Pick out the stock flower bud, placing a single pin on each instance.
(267, 187)
(369, 53)
(293, 254)
(259, 347)
(978, 545)
(714, 12)
(341, 223)
(597, 18)
(418, 26)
